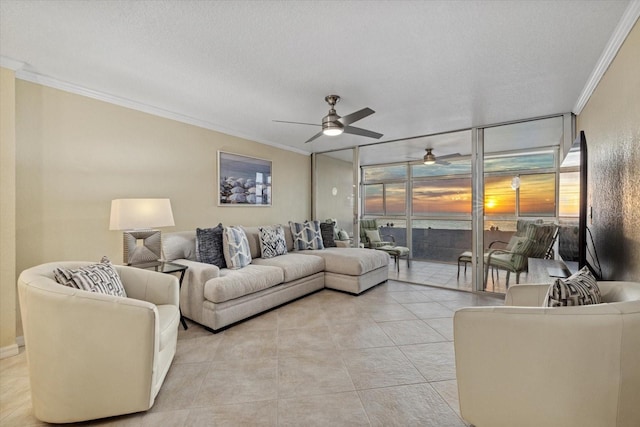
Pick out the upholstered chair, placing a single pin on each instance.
(528, 365)
(370, 235)
(536, 242)
(93, 355)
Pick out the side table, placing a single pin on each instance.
(167, 268)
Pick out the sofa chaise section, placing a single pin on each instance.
(353, 270)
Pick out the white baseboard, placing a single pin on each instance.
(8, 351)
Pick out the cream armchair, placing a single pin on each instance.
(92, 355)
(525, 365)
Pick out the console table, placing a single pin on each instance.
(539, 269)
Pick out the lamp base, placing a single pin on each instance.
(141, 246)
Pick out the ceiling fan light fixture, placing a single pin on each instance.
(429, 158)
(330, 125)
(332, 130)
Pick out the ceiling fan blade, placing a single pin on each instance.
(449, 156)
(362, 132)
(442, 162)
(317, 135)
(354, 117)
(297, 123)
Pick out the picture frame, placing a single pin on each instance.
(243, 180)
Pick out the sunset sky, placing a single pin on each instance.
(453, 196)
(433, 195)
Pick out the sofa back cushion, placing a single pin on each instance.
(179, 245)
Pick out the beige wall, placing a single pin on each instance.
(611, 122)
(7, 214)
(76, 154)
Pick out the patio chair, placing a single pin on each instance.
(536, 243)
(521, 228)
(370, 235)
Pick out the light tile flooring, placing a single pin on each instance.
(384, 358)
(446, 275)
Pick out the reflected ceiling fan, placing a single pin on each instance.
(333, 124)
(430, 158)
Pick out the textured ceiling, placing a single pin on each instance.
(423, 66)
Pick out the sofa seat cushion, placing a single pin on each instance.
(295, 265)
(236, 283)
(168, 318)
(351, 261)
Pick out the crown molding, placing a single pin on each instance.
(11, 64)
(627, 21)
(145, 108)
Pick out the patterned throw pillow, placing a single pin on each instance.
(209, 246)
(272, 241)
(101, 278)
(327, 230)
(236, 248)
(306, 235)
(580, 288)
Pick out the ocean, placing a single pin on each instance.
(439, 224)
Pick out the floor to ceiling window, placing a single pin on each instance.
(429, 207)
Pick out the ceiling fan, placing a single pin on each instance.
(333, 124)
(430, 158)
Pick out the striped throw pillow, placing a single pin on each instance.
(306, 235)
(236, 248)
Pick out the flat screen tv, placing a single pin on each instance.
(581, 144)
(587, 255)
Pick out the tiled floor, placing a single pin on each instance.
(446, 275)
(384, 358)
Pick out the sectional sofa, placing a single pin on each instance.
(219, 297)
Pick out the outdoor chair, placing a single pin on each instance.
(370, 235)
(536, 243)
(521, 228)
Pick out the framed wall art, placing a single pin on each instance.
(243, 180)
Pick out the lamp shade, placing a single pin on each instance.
(137, 214)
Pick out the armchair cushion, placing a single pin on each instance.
(101, 278)
(373, 236)
(580, 288)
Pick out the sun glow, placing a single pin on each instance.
(491, 203)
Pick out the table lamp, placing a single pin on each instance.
(138, 217)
